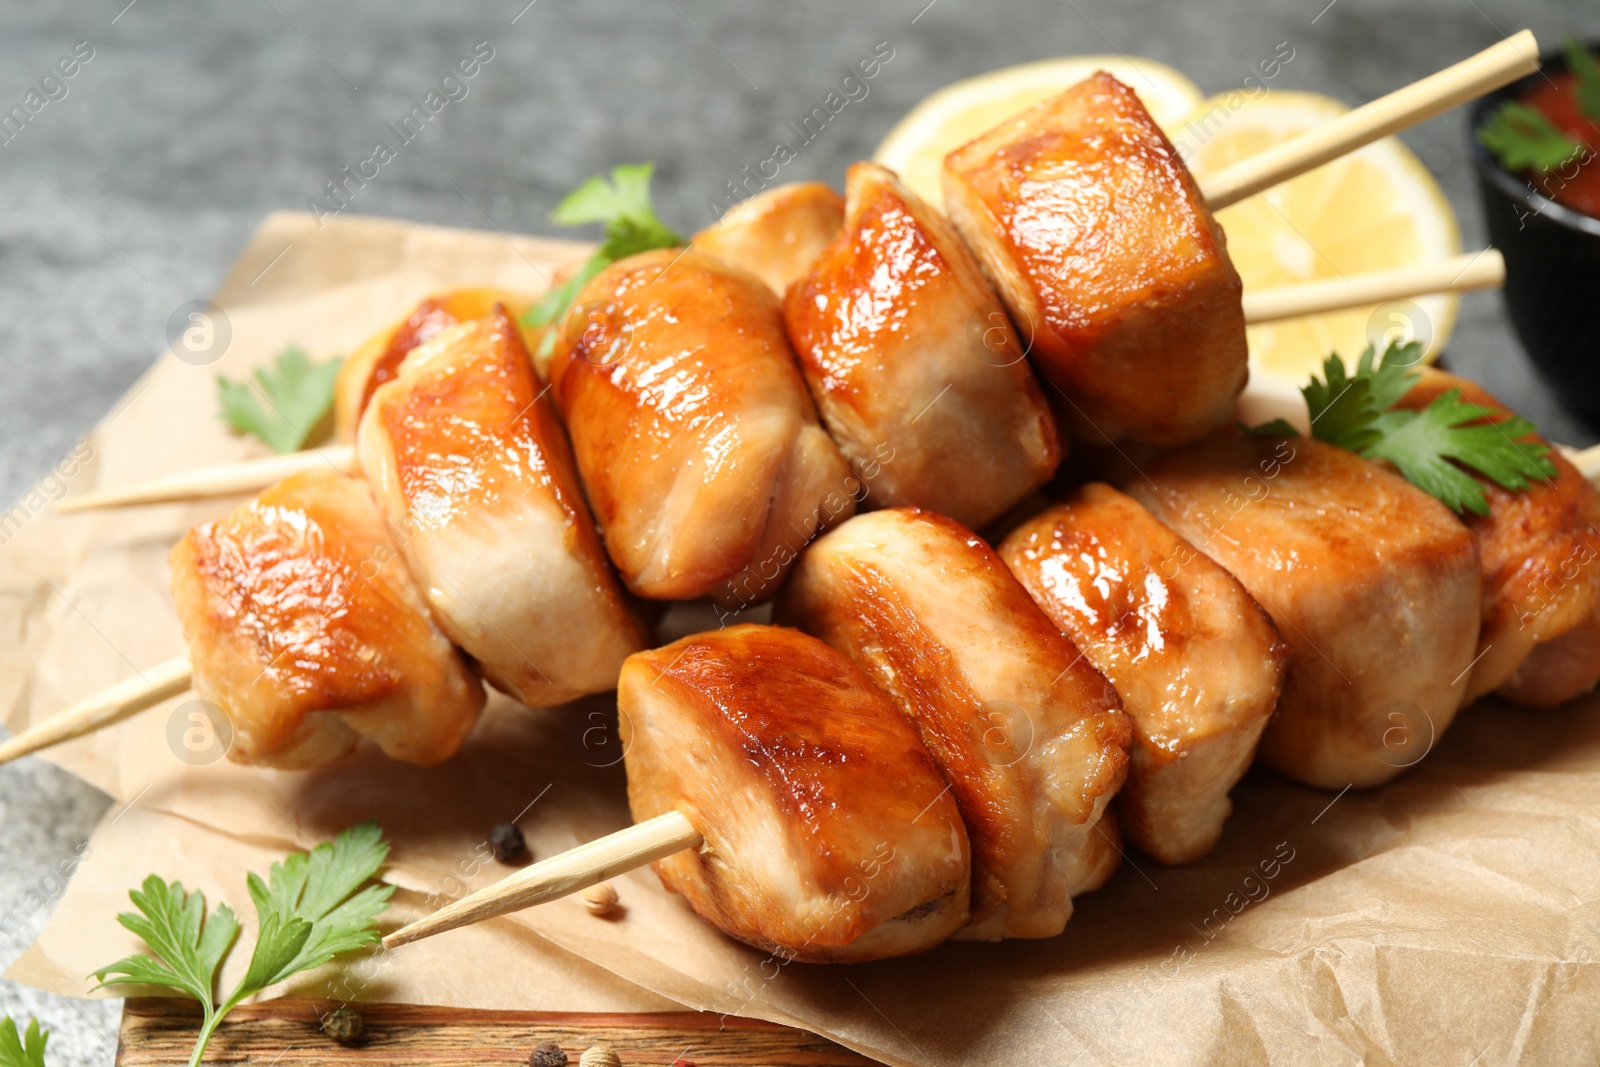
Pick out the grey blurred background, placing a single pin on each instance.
(133, 193)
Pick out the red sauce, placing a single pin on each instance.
(1576, 183)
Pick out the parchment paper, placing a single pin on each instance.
(1449, 917)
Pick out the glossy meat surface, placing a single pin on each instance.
(1372, 583)
(1541, 577)
(467, 458)
(378, 359)
(699, 447)
(776, 234)
(1197, 663)
(305, 626)
(913, 363)
(829, 834)
(1028, 734)
(1119, 281)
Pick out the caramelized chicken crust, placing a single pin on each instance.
(1028, 734)
(473, 470)
(699, 447)
(1197, 662)
(913, 363)
(776, 234)
(829, 834)
(1371, 582)
(1119, 280)
(305, 626)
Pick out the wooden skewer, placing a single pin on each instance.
(1512, 58)
(121, 701)
(1472, 270)
(244, 477)
(571, 872)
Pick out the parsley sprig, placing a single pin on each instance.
(1586, 69)
(623, 205)
(22, 1050)
(1429, 447)
(311, 907)
(297, 394)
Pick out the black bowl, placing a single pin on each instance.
(1552, 290)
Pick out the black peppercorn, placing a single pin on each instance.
(343, 1025)
(508, 843)
(548, 1054)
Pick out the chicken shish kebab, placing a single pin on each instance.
(1372, 583)
(910, 355)
(697, 441)
(465, 456)
(1197, 663)
(1030, 737)
(1540, 641)
(304, 626)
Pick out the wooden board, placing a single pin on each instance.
(158, 1032)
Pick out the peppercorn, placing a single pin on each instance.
(601, 900)
(508, 843)
(343, 1025)
(599, 1056)
(548, 1054)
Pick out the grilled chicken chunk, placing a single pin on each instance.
(1371, 582)
(1540, 643)
(378, 360)
(776, 234)
(913, 363)
(468, 460)
(1028, 734)
(829, 834)
(1197, 663)
(698, 445)
(1118, 278)
(306, 628)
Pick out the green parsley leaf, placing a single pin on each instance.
(310, 908)
(1586, 69)
(1430, 447)
(1421, 445)
(297, 394)
(188, 946)
(1523, 138)
(623, 205)
(1275, 428)
(18, 1051)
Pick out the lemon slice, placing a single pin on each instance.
(961, 111)
(1375, 209)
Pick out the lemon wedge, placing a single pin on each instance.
(1375, 209)
(959, 112)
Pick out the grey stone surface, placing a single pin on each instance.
(133, 193)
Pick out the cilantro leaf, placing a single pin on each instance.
(188, 946)
(1275, 428)
(1523, 138)
(18, 1051)
(1586, 69)
(297, 394)
(310, 907)
(1433, 448)
(1421, 445)
(623, 205)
